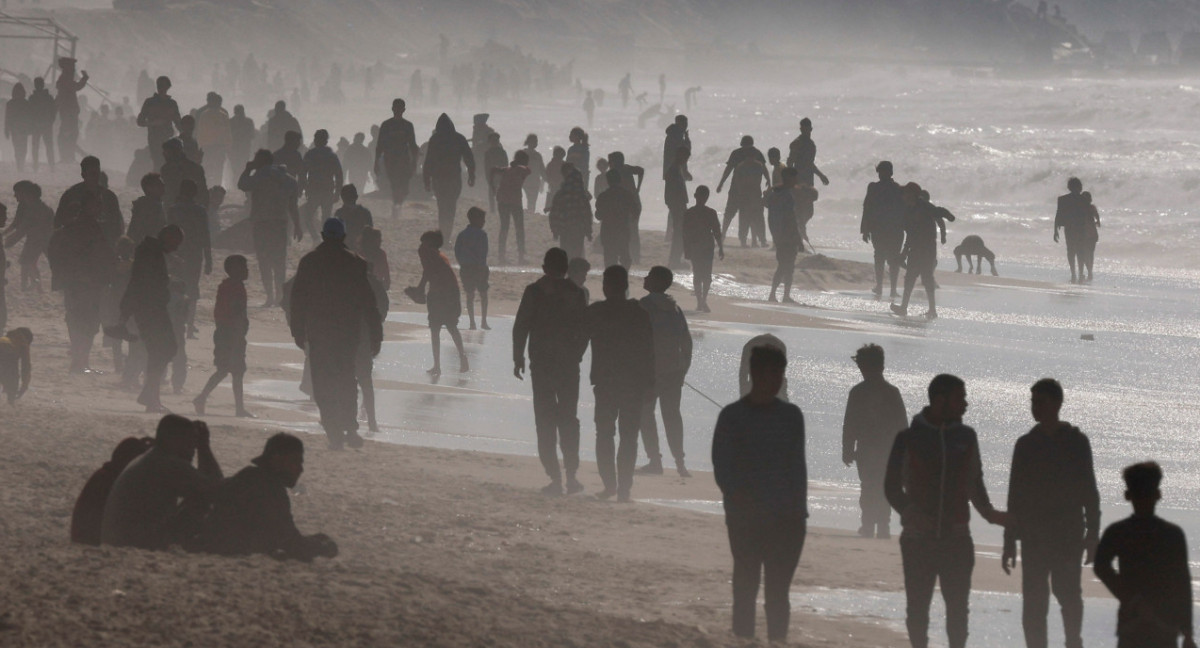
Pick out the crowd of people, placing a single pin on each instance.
(140, 283)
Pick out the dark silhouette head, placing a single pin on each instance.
(555, 263)
(21, 336)
(280, 107)
(1074, 185)
(658, 279)
(747, 141)
(577, 270)
(578, 136)
(521, 158)
(616, 159)
(127, 450)
(239, 110)
(558, 153)
(1087, 197)
(773, 155)
(531, 140)
(768, 365)
(349, 194)
(263, 158)
(681, 121)
(292, 139)
(702, 193)
(27, 191)
(163, 84)
(18, 92)
(359, 138)
(869, 359)
(1143, 483)
(613, 177)
(616, 282)
(333, 230)
(89, 170)
(476, 216)
(884, 169)
(398, 108)
(911, 193)
(947, 399)
(39, 83)
(171, 237)
(434, 239)
(177, 436)
(1046, 399)
(212, 99)
(320, 138)
(283, 455)
(806, 126)
(237, 267)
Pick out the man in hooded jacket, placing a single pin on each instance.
(448, 152)
(672, 359)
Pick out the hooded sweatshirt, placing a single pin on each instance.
(672, 340)
(1052, 495)
(448, 150)
(933, 476)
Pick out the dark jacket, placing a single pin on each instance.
(252, 514)
(111, 221)
(622, 345)
(448, 151)
(1154, 584)
(322, 171)
(273, 193)
(397, 143)
(1071, 215)
(330, 298)
(149, 283)
(79, 255)
(1052, 495)
(551, 319)
(874, 414)
(883, 210)
(933, 476)
(672, 340)
(146, 218)
(758, 461)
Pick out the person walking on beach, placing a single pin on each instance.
(145, 301)
(1054, 511)
(934, 475)
(67, 101)
(785, 231)
(322, 181)
(1091, 236)
(448, 152)
(802, 156)
(701, 239)
(748, 168)
(537, 172)
(160, 117)
(760, 466)
(112, 222)
(571, 213)
(632, 177)
(623, 373)
(273, 199)
(874, 414)
(229, 338)
(616, 209)
(82, 264)
(471, 252)
(508, 201)
(331, 301)
(443, 301)
(1154, 583)
(675, 195)
(922, 222)
(883, 225)
(1071, 218)
(42, 114)
(396, 154)
(672, 359)
(550, 319)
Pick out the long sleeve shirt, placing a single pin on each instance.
(551, 319)
(252, 514)
(1052, 494)
(874, 414)
(1154, 584)
(759, 462)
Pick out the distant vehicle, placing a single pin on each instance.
(1117, 47)
(1155, 49)
(1189, 49)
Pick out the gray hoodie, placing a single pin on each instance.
(672, 340)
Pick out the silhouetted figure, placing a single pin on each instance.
(806, 198)
(443, 300)
(112, 223)
(396, 153)
(129, 356)
(229, 337)
(356, 217)
(214, 137)
(1072, 217)
(701, 238)
(972, 246)
(252, 514)
(554, 173)
(579, 154)
(934, 475)
(273, 195)
(177, 168)
(922, 221)
(802, 156)
(537, 173)
(600, 184)
(241, 137)
(748, 168)
(874, 414)
(662, 86)
(33, 223)
(631, 178)
(675, 195)
(66, 100)
(88, 514)
(766, 339)
(145, 301)
(589, 108)
(571, 213)
(18, 124)
(781, 219)
(672, 359)
(187, 137)
(147, 215)
(1089, 238)
(1054, 511)
(509, 188)
(689, 97)
(42, 113)
(494, 157)
(160, 498)
(81, 265)
(280, 124)
(481, 132)
(577, 271)
(196, 251)
(331, 300)
(776, 165)
(551, 319)
(617, 209)
(471, 251)
(760, 466)
(323, 179)
(160, 117)
(1154, 583)
(676, 138)
(357, 161)
(290, 157)
(625, 88)
(442, 172)
(15, 366)
(379, 276)
(623, 363)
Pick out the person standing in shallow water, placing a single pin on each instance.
(273, 200)
(1071, 218)
(760, 466)
(802, 156)
(443, 300)
(442, 172)
(1054, 511)
(883, 226)
(922, 222)
(785, 231)
(1091, 236)
(551, 319)
(874, 414)
(1154, 583)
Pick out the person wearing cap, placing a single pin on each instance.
(67, 102)
(160, 117)
(161, 498)
(331, 301)
(145, 301)
(252, 514)
(883, 225)
(396, 153)
(874, 414)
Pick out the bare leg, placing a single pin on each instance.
(367, 384)
(483, 304)
(239, 400)
(214, 380)
(471, 308)
(463, 365)
(435, 338)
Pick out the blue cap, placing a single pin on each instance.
(334, 228)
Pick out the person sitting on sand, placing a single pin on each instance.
(251, 511)
(972, 246)
(160, 498)
(88, 514)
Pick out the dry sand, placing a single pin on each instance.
(438, 548)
